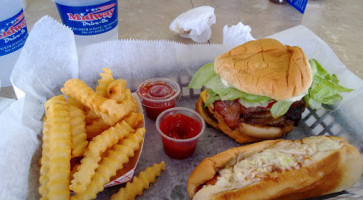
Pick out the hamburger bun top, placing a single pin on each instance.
(266, 67)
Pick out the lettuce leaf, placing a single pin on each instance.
(205, 73)
(280, 108)
(325, 88)
(207, 77)
(212, 97)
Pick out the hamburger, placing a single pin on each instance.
(260, 89)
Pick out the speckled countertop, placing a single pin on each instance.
(338, 23)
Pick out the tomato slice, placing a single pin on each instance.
(246, 110)
(271, 104)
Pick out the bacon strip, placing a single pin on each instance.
(230, 111)
(233, 112)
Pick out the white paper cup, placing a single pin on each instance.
(91, 20)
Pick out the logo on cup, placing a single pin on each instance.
(13, 33)
(89, 20)
(94, 13)
(8, 33)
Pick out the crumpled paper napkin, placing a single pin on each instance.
(195, 24)
(237, 34)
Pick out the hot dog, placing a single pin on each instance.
(278, 169)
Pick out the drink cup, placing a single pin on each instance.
(91, 20)
(13, 34)
(180, 129)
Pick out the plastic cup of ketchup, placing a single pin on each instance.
(157, 95)
(180, 129)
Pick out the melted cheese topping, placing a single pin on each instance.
(260, 165)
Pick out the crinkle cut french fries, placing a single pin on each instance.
(56, 154)
(139, 183)
(116, 157)
(108, 109)
(87, 137)
(92, 156)
(78, 126)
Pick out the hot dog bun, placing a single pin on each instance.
(333, 166)
(245, 132)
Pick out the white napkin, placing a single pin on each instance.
(5, 102)
(49, 54)
(195, 24)
(237, 34)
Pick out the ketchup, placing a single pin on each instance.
(158, 95)
(156, 90)
(180, 127)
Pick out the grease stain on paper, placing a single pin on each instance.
(178, 192)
